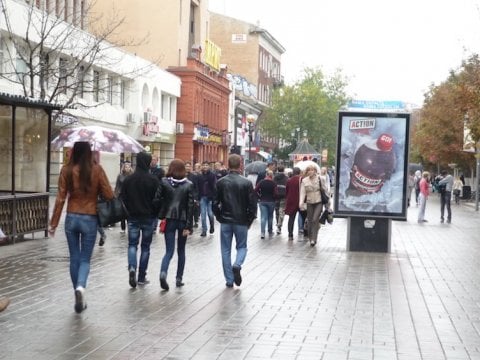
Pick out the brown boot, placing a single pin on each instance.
(4, 303)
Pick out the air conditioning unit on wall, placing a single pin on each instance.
(180, 128)
(130, 118)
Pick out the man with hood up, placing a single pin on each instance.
(139, 193)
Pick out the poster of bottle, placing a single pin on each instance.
(372, 164)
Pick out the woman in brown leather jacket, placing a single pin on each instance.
(81, 181)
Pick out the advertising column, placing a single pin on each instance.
(372, 172)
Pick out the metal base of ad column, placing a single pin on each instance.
(371, 235)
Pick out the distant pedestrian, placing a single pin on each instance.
(446, 184)
(139, 193)
(416, 181)
(310, 197)
(206, 191)
(235, 207)
(156, 170)
(457, 189)
(423, 196)
(81, 181)
(266, 191)
(193, 178)
(410, 187)
(177, 208)
(292, 199)
(281, 180)
(124, 172)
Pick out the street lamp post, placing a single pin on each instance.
(250, 122)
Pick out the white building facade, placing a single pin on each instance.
(105, 86)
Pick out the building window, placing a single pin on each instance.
(110, 89)
(81, 82)
(123, 86)
(96, 86)
(173, 109)
(20, 66)
(165, 107)
(2, 55)
(45, 68)
(62, 75)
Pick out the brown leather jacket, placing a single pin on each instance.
(78, 201)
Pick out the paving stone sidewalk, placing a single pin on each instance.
(421, 301)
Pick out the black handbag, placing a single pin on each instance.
(325, 197)
(111, 211)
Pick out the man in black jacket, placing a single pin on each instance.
(139, 195)
(207, 182)
(235, 207)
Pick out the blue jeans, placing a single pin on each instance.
(226, 236)
(206, 207)
(266, 215)
(81, 232)
(135, 226)
(174, 226)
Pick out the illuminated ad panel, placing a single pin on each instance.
(372, 164)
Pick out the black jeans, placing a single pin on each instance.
(445, 200)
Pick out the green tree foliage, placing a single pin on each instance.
(311, 104)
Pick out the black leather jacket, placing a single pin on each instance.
(177, 200)
(235, 201)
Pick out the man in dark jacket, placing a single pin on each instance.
(193, 177)
(206, 192)
(139, 195)
(235, 207)
(281, 180)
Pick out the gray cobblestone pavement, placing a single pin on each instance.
(421, 301)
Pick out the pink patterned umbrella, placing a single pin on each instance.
(101, 139)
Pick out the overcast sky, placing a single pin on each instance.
(390, 50)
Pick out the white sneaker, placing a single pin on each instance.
(80, 303)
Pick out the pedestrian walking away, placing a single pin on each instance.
(178, 194)
(423, 196)
(266, 191)
(457, 189)
(292, 197)
(193, 177)
(280, 179)
(81, 181)
(124, 172)
(446, 187)
(416, 185)
(156, 170)
(235, 207)
(206, 192)
(142, 200)
(310, 197)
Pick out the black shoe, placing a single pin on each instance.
(163, 282)
(237, 278)
(212, 230)
(290, 237)
(195, 225)
(102, 240)
(228, 285)
(132, 276)
(449, 221)
(179, 283)
(143, 281)
(204, 233)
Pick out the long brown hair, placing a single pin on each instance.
(81, 155)
(176, 169)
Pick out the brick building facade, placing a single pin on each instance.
(202, 113)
